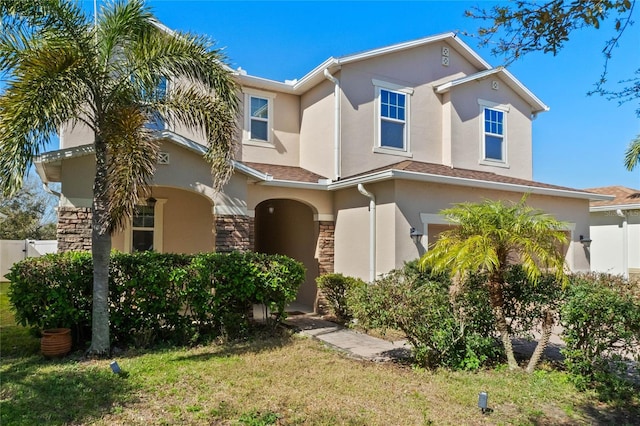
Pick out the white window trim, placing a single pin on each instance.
(246, 131)
(504, 163)
(158, 220)
(407, 91)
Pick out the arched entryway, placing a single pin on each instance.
(287, 227)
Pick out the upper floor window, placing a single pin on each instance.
(392, 119)
(258, 113)
(161, 90)
(493, 144)
(392, 111)
(493, 134)
(259, 119)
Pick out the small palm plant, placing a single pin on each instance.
(62, 68)
(487, 237)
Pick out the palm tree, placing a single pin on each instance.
(632, 155)
(63, 68)
(486, 237)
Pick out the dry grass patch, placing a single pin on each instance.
(297, 381)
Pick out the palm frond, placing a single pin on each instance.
(132, 151)
(212, 117)
(486, 234)
(632, 154)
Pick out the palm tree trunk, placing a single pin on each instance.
(496, 297)
(547, 326)
(100, 250)
(503, 329)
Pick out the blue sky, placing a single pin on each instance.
(579, 143)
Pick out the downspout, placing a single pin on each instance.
(336, 127)
(625, 243)
(372, 232)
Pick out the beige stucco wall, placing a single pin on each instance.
(394, 245)
(416, 69)
(320, 202)
(317, 120)
(187, 222)
(467, 122)
(77, 176)
(285, 144)
(75, 134)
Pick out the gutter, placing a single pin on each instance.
(336, 125)
(449, 180)
(614, 207)
(372, 231)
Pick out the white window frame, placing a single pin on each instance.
(246, 131)
(158, 219)
(407, 92)
(484, 104)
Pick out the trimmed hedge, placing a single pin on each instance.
(155, 297)
(336, 288)
(601, 320)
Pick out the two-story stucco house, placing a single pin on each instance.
(345, 169)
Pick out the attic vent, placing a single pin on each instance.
(445, 56)
(163, 157)
(494, 85)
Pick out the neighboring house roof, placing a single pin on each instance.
(625, 198)
(332, 64)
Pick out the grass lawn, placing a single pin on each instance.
(284, 380)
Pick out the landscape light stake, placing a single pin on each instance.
(483, 401)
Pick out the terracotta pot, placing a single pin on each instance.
(55, 342)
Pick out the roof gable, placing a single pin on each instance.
(316, 76)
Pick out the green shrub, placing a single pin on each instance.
(336, 289)
(601, 320)
(146, 296)
(173, 298)
(445, 331)
(526, 303)
(53, 291)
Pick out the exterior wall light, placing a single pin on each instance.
(415, 235)
(271, 209)
(585, 241)
(151, 202)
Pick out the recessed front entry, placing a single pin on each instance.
(287, 227)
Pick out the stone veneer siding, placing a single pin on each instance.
(234, 232)
(326, 247)
(74, 228)
(325, 261)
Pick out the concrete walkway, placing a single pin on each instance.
(355, 344)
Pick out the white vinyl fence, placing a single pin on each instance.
(12, 251)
